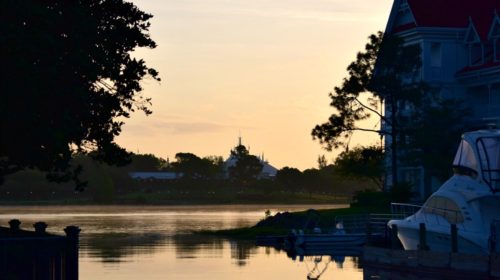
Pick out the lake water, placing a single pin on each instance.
(154, 242)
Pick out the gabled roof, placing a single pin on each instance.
(454, 14)
(495, 28)
(471, 36)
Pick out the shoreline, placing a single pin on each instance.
(104, 208)
(282, 223)
(170, 202)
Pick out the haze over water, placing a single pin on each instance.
(155, 243)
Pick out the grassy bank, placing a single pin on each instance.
(282, 223)
(180, 198)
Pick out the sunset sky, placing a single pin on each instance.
(260, 68)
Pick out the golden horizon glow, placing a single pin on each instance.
(262, 68)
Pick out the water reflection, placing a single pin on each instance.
(241, 251)
(318, 260)
(117, 247)
(156, 243)
(188, 246)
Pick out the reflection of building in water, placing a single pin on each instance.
(241, 251)
(116, 247)
(189, 245)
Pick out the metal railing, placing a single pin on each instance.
(366, 223)
(404, 210)
(428, 214)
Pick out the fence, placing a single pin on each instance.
(38, 255)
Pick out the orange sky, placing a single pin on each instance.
(256, 67)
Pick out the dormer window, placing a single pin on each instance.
(494, 37)
(496, 49)
(475, 54)
(476, 50)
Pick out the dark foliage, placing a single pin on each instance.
(194, 167)
(247, 167)
(362, 162)
(68, 81)
(435, 132)
(290, 179)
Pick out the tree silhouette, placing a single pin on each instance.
(362, 162)
(386, 72)
(193, 167)
(247, 167)
(290, 179)
(68, 81)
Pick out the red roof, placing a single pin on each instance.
(455, 13)
(487, 65)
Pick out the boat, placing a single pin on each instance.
(336, 239)
(470, 200)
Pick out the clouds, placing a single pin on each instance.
(256, 66)
(160, 126)
(311, 10)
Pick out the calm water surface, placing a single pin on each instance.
(130, 242)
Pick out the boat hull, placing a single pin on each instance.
(309, 241)
(436, 240)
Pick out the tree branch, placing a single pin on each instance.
(379, 131)
(105, 85)
(374, 111)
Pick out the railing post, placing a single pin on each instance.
(369, 231)
(15, 225)
(454, 238)
(493, 241)
(40, 227)
(72, 233)
(422, 245)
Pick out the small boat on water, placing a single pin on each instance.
(470, 199)
(337, 239)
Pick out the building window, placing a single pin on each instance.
(495, 96)
(414, 177)
(436, 55)
(496, 46)
(475, 54)
(488, 51)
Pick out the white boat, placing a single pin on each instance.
(470, 199)
(337, 239)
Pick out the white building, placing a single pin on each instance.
(268, 171)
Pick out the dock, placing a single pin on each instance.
(37, 254)
(428, 264)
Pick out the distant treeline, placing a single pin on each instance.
(203, 180)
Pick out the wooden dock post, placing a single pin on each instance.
(454, 238)
(492, 239)
(422, 245)
(71, 260)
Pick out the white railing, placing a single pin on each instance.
(429, 215)
(366, 223)
(404, 210)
